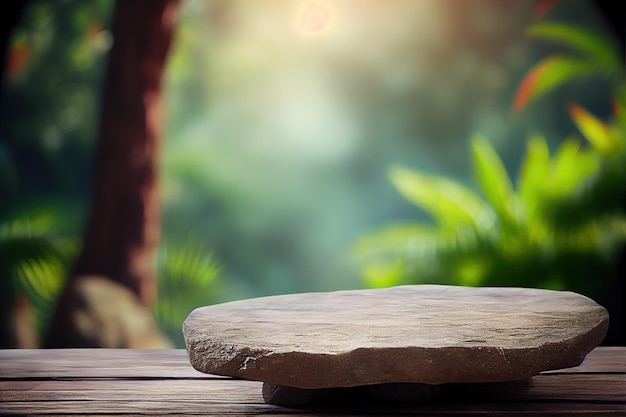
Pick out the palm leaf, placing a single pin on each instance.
(549, 74)
(493, 180)
(185, 280)
(598, 133)
(449, 202)
(534, 172)
(571, 167)
(383, 273)
(35, 265)
(393, 240)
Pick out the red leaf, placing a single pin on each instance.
(542, 7)
(576, 111)
(17, 59)
(92, 31)
(24, 329)
(524, 92)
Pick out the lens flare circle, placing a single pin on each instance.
(314, 18)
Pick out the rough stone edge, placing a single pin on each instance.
(249, 364)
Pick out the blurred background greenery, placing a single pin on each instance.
(284, 120)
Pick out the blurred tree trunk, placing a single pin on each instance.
(123, 230)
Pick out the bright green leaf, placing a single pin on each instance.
(449, 202)
(186, 274)
(534, 172)
(382, 274)
(598, 133)
(45, 277)
(491, 176)
(550, 73)
(571, 167)
(471, 271)
(395, 240)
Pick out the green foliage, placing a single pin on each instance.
(34, 262)
(604, 192)
(549, 231)
(186, 280)
(46, 144)
(50, 105)
(48, 115)
(562, 224)
(593, 55)
(587, 43)
(449, 202)
(494, 181)
(602, 170)
(605, 138)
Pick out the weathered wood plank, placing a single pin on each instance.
(131, 382)
(601, 359)
(564, 387)
(225, 391)
(556, 387)
(97, 363)
(187, 407)
(17, 386)
(461, 413)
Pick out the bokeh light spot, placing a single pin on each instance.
(314, 19)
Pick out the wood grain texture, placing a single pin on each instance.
(605, 359)
(129, 382)
(111, 363)
(554, 387)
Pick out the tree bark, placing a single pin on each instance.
(123, 230)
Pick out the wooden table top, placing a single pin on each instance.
(152, 382)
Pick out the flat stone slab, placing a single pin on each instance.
(425, 334)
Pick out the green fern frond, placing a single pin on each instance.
(186, 275)
(34, 263)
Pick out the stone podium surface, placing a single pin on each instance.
(419, 334)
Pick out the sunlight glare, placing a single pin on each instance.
(314, 19)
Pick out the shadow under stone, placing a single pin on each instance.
(399, 393)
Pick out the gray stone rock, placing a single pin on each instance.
(427, 334)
